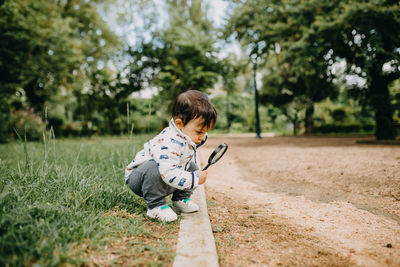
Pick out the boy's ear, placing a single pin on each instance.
(179, 123)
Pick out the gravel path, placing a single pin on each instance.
(305, 201)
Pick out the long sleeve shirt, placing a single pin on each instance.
(172, 150)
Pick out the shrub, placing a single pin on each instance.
(27, 123)
(4, 120)
(339, 114)
(71, 129)
(146, 124)
(56, 123)
(88, 129)
(343, 128)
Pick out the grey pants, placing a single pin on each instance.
(145, 181)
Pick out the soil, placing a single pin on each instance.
(304, 201)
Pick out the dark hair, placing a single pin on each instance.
(194, 104)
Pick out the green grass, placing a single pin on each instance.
(53, 197)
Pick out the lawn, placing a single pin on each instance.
(66, 202)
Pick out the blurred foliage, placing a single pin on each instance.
(27, 124)
(395, 101)
(294, 66)
(366, 34)
(241, 109)
(242, 117)
(180, 57)
(49, 45)
(343, 128)
(4, 119)
(232, 68)
(302, 40)
(49, 49)
(321, 62)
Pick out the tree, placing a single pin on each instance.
(48, 44)
(395, 92)
(367, 35)
(230, 68)
(33, 49)
(190, 57)
(313, 35)
(49, 48)
(180, 57)
(279, 32)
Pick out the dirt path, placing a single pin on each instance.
(305, 201)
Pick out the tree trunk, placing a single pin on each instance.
(309, 119)
(383, 110)
(295, 126)
(35, 95)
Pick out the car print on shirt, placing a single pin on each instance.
(176, 142)
(176, 153)
(181, 136)
(182, 182)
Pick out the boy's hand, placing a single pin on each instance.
(203, 176)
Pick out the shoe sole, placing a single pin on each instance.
(189, 211)
(156, 217)
(186, 211)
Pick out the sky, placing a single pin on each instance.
(130, 30)
(218, 11)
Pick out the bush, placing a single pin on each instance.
(27, 124)
(343, 128)
(4, 120)
(241, 112)
(88, 129)
(56, 123)
(71, 129)
(397, 128)
(339, 114)
(146, 124)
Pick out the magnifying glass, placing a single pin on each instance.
(216, 155)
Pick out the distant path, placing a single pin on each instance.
(343, 195)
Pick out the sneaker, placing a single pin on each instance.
(164, 213)
(186, 205)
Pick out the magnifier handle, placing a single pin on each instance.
(206, 167)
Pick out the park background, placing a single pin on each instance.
(85, 83)
(82, 68)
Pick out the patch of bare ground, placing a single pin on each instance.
(152, 244)
(155, 250)
(249, 236)
(308, 201)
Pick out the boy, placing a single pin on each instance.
(168, 163)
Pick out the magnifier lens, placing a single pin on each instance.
(218, 155)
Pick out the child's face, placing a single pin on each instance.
(194, 129)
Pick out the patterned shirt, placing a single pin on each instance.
(172, 150)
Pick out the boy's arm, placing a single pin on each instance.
(167, 157)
